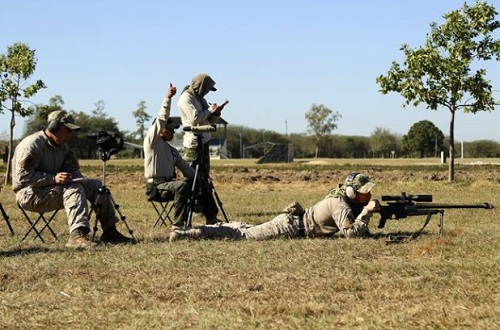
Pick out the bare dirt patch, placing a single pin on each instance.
(261, 178)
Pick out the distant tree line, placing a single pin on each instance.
(422, 140)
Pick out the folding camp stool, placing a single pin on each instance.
(162, 208)
(41, 222)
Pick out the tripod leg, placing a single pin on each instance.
(219, 202)
(122, 217)
(6, 217)
(96, 206)
(193, 196)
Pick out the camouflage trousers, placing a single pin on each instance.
(179, 191)
(196, 156)
(73, 198)
(282, 226)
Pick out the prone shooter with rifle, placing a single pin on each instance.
(347, 210)
(331, 215)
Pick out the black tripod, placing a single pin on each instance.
(6, 217)
(104, 193)
(202, 180)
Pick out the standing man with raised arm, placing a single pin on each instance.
(161, 161)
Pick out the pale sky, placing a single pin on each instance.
(271, 59)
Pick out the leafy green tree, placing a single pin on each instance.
(321, 122)
(383, 143)
(353, 146)
(141, 118)
(440, 72)
(16, 67)
(303, 145)
(424, 139)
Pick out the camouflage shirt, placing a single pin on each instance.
(334, 214)
(37, 160)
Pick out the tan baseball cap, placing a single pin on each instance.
(64, 118)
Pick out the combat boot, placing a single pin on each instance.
(78, 239)
(113, 236)
(185, 234)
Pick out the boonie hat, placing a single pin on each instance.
(64, 118)
(361, 183)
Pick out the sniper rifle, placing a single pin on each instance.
(403, 206)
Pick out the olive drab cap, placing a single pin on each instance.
(171, 124)
(361, 183)
(64, 118)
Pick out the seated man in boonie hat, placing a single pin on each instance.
(335, 213)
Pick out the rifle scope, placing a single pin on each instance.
(408, 198)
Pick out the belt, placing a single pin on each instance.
(158, 180)
(300, 226)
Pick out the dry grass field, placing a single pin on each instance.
(432, 282)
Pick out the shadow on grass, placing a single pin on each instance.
(158, 239)
(20, 251)
(398, 237)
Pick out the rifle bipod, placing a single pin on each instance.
(406, 238)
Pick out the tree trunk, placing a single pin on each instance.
(451, 166)
(316, 152)
(8, 171)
